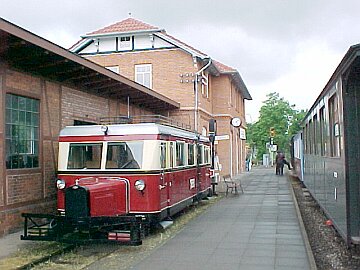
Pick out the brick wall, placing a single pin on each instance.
(24, 187)
(2, 139)
(22, 83)
(75, 105)
(167, 66)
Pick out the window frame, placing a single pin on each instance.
(180, 154)
(22, 132)
(334, 119)
(96, 147)
(191, 154)
(142, 74)
(124, 42)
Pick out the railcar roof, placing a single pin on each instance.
(128, 129)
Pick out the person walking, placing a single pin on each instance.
(279, 159)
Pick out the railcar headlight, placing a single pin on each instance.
(140, 185)
(60, 184)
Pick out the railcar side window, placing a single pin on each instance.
(163, 155)
(171, 149)
(191, 154)
(124, 155)
(201, 155)
(206, 154)
(84, 156)
(180, 154)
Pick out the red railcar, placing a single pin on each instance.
(116, 181)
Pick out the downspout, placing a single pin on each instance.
(196, 108)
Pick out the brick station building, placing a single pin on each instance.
(44, 88)
(151, 57)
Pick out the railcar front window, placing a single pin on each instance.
(84, 156)
(124, 155)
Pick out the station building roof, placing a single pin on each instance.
(133, 26)
(30, 53)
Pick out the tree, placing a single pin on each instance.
(278, 121)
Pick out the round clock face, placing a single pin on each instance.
(236, 122)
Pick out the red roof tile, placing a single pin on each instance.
(223, 68)
(126, 25)
(183, 43)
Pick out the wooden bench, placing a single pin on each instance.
(232, 185)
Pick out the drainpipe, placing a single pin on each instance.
(196, 109)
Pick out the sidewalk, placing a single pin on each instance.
(255, 230)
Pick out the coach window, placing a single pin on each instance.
(306, 147)
(310, 138)
(316, 135)
(191, 154)
(180, 154)
(22, 132)
(334, 126)
(322, 132)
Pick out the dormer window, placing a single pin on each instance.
(125, 42)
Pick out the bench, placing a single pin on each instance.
(232, 185)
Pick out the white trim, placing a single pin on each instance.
(181, 46)
(127, 33)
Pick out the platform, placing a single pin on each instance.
(255, 230)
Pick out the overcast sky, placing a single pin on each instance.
(287, 46)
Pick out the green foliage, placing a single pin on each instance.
(276, 113)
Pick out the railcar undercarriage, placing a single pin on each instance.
(124, 230)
